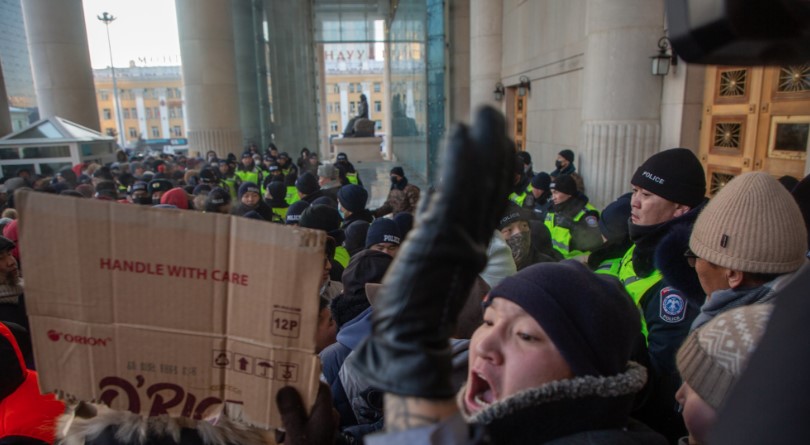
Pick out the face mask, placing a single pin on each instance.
(520, 245)
(393, 180)
(144, 200)
(558, 164)
(342, 215)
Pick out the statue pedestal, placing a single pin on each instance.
(359, 149)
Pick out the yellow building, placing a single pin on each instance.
(151, 100)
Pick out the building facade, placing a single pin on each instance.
(151, 103)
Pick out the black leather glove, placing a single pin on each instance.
(408, 353)
(318, 428)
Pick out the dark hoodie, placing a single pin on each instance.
(26, 416)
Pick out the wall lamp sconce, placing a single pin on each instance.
(524, 86)
(499, 92)
(665, 58)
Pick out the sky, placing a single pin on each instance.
(144, 31)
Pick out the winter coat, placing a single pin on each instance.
(26, 416)
(363, 215)
(261, 208)
(582, 410)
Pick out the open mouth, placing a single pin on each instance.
(480, 393)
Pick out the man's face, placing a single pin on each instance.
(395, 177)
(537, 193)
(8, 268)
(649, 209)
(563, 162)
(137, 195)
(250, 199)
(247, 162)
(515, 228)
(559, 197)
(698, 415)
(712, 277)
(156, 196)
(389, 248)
(223, 168)
(509, 353)
(327, 330)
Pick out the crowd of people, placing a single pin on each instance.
(508, 309)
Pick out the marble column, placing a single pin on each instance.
(5, 113)
(621, 108)
(293, 71)
(209, 76)
(245, 42)
(60, 60)
(485, 51)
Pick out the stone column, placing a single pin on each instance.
(5, 113)
(485, 51)
(292, 70)
(209, 76)
(621, 106)
(139, 105)
(164, 115)
(245, 41)
(60, 60)
(344, 105)
(459, 62)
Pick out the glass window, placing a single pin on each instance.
(172, 112)
(110, 131)
(336, 88)
(351, 88)
(133, 133)
(50, 168)
(105, 95)
(378, 125)
(134, 113)
(177, 93)
(148, 113)
(377, 106)
(179, 111)
(126, 113)
(377, 87)
(176, 132)
(170, 93)
(156, 112)
(333, 126)
(57, 151)
(352, 107)
(9, 153)
(107, 114)
(155, 132)
(329, 108)
(337, 107)
(10, 171)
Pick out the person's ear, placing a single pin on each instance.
(681, 209)
(735, 278)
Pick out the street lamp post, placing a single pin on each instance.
(108, 18)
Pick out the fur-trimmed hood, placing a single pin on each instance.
(561, 408)
(87, 424)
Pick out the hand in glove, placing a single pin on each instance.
(318, 428)
(408, 353)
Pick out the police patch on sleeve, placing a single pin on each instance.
(591, 221)
(673, 306)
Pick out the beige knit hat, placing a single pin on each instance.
(751, 225)
(714, 356)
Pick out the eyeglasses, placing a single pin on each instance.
(690, 256)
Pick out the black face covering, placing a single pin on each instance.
(144, 200)
(558, 164)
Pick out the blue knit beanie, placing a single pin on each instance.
(249, 187)
(294, 212)
(589, 317)
(383, 230)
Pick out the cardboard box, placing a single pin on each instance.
(168, 311)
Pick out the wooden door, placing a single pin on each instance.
(519, 130)
(754, 119)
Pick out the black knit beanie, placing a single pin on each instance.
(675, 174)
(568, 155)
(589, 318)
(321, 217)
(294, 212)
(352, 197)
(398, 171)
(307, 183)
(248, 187)
(541, 181)
(613, 220)
(565, 184)
(513, 213)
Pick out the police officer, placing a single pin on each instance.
(541, 202)
(574, 222)
(228, 179)
(668, 194)
(248, 171)
(521, 188)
